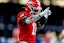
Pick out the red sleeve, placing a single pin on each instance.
(21, 16)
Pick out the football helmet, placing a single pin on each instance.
(33, 6)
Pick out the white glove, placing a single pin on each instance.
(46, 12)
(46, 15)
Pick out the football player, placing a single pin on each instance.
(26, 21)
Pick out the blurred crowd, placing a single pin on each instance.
(51, 37)
(7, 25)
(51, 34)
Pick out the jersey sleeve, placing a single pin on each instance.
(21, 16)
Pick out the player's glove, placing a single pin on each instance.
(46, 12)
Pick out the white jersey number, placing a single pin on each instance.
(34, 29)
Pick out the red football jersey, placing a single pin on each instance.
(27, 31)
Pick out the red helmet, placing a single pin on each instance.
(33, 6)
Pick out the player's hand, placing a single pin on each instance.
(46, 12)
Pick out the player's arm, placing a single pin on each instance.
(38, 16)
(22, 21)
(27, 20)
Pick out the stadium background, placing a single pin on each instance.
(10, 8)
